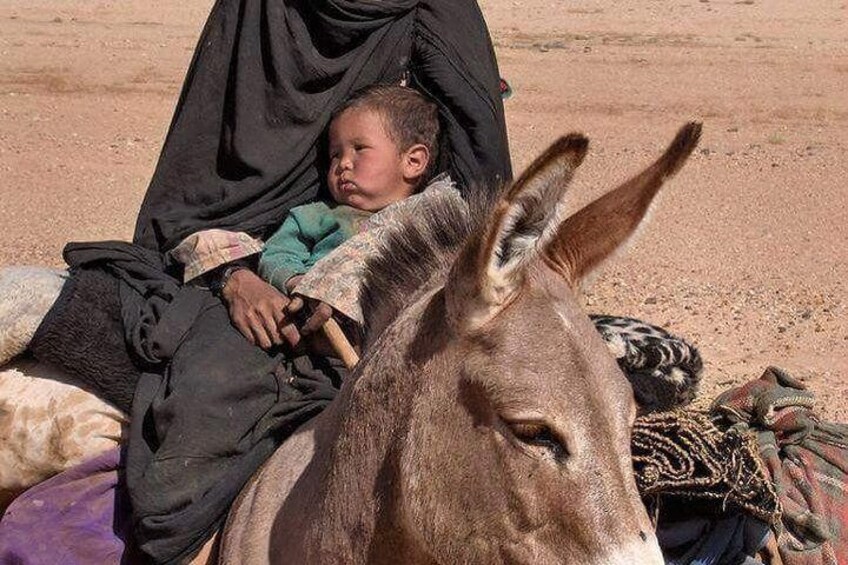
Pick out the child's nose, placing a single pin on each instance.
(345, 162)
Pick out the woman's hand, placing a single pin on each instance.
(259, 310)
(319, 312)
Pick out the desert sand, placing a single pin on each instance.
(745, 254)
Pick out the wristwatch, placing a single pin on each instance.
(221, 281)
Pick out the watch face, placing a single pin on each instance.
(219, 280)
(222, 280)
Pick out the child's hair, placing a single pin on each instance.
(408, 116)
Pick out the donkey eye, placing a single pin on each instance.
(539, 436)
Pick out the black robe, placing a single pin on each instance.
(242, 149)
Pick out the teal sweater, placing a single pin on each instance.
(308, 233)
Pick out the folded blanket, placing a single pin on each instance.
(48, 425)
(83, 334)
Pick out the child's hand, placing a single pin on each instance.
(319, 313)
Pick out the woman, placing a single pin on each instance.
(243, 149)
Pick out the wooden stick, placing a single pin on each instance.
(340, 344)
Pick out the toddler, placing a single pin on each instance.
(383, 145)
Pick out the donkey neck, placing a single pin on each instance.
(355, 511)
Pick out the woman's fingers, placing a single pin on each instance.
(260, 333)
(250, 327)
(270, 311)
(241, 325)
(290, 333)
(321, 312)
(295, 305)
(267, 317)
(280, 317)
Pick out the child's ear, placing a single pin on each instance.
(415, 160)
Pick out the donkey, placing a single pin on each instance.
(486, 422)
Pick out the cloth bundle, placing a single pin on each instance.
(760, 464)
(806, 459)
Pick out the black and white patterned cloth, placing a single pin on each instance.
(663, 369)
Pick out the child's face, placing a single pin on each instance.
(367, 169)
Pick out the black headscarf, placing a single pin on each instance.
(264, 81)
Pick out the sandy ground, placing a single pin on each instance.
(745, 254)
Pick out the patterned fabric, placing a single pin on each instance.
(807, 460)
(664, 369)
(337, 279)
(206, 250)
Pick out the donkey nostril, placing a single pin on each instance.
(643, 535)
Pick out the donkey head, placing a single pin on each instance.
(518, 450)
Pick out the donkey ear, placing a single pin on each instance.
(490, 269)
(585, 239)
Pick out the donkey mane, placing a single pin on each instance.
(418, 254)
